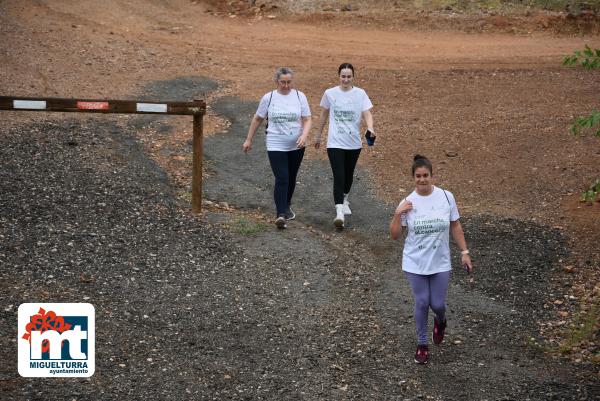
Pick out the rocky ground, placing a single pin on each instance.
(186, 308)
(558, 17)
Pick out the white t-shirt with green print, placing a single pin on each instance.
(285, 114)
(345, 112)
(427, 244)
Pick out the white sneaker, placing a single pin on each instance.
(280, 222)
(339, 217)
(346, 206)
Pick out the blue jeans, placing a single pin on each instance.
(285, 166)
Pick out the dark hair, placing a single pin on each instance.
(345, 65)
(421, 161)
(282, 71)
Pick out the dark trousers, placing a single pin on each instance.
(343, 162)
(285, 167)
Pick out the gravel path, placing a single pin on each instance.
(187, 310)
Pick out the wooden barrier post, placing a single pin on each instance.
(197, 108)
(198, 151)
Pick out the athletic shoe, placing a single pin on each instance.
(347, 207)
(339, 216)
(290, 215)
(422, 354)
(437, 336)
(280, 222)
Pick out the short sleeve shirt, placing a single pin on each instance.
(427, 244)
(284, 114)
(345, 112)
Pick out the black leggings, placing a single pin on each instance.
(343, 162)
(285, 166)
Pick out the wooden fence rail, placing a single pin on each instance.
(197, 109)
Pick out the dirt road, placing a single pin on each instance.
(491, 110)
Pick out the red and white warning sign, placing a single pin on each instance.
(92, 105)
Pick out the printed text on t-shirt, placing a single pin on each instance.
(283, 117)
(430, 226)
(341, 116)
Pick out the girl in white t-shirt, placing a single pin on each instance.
(288, 124)
(345, 106)
(428, 215)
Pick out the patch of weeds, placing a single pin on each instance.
(585, 326)
(591, 193)
(575, 6)
(537, 345)
(562, 5)
(185, 196)
(246, 226)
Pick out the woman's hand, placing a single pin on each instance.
(256, 120)
(301, 142)
(317, 142)
(396, 223)
(247, 146)
(465, 262)
(403, 207)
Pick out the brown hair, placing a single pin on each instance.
(345, 65)
(421, 161)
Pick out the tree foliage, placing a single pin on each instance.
(588, 58)
(582, 123)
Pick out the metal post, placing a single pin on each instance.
(197, 162)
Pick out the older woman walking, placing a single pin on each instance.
(288, 124)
